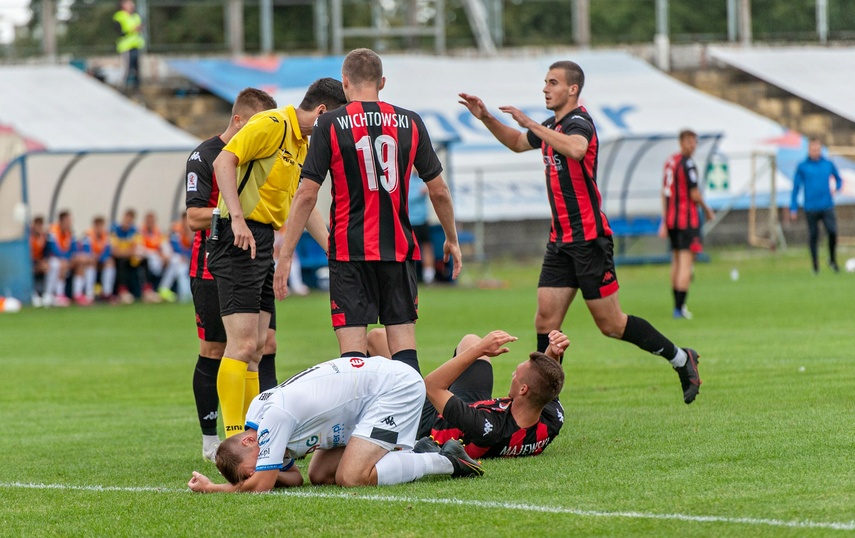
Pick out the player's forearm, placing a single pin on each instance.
(225, 169)
(291, 478)
(507, 135)
(199, 218)
(573, 146)
(317, 228)
(440, 198)
(301, 208)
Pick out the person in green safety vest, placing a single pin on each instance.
(130, 41)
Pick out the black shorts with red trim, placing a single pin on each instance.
(361, 292)
(588, 266)
(244, 284)
(686, 239)
(206, 301)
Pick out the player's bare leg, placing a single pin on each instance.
(356, 467)
(323, 466)
(352, 339)
(608, 315)
(552, 306)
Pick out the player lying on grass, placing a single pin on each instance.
(352, 414)
(461, 405)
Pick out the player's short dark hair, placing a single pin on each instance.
(572, 72)
(363, 66)
(99, 220)
(38, 219)
(814, 139)
(130, 212)
(63, 214)
(324, 91)
(687, 133)
(230, 456)
(253, 100)
(546, 379)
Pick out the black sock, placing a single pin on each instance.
(205, 392)
(267, 372)
(641, 333)
(354, 354)
(408, 356)
(542, 341)
(680, 299)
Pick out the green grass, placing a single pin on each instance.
(102, 397)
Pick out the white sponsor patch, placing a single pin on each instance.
(192, 182)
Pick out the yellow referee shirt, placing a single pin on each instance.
(270, 151)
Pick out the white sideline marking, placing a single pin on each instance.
(804, 524)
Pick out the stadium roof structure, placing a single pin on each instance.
(61, 108)
(627, 97)
(823, 76)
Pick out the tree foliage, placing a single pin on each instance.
(198, 25)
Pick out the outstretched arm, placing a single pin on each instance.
(509, 137)
(259, 482)
(438, 381)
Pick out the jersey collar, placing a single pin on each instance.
(292, 120)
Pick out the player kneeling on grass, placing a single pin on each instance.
(521, 424)
(352, 414)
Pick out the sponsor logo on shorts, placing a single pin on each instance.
(389, 421)
(192, 181)
(487, 427)
(264, 437)
(312, 443)
(337, 431)
(357, 362)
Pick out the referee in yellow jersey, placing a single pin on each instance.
(258, 172)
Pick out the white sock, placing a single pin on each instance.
(428, 274)
(680, 359)
(77, 285)
(108, 280)
(403, 467)
(89, 274)
(52, 282)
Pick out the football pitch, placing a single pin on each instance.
(100, 431)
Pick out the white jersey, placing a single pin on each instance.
(323, 406)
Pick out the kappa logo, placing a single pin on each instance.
(274, 118)
(195, 157)
(389, 421)
(357, 362)
(608, 277)
(560, 415)
(211, 416)
(192, 182)
(487, 427)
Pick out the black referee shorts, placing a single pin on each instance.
(244, 284)
(206, 302)
(360, 292)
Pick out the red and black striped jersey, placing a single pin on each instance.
(488, 428)
(369, 149)
(202, 191)
(571, 185)
(681, 176)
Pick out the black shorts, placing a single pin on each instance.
(475, 384)
(360, 292)
(688, 239)
(244, 285)
(589, 266)
(422, 233)
(206, 301)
